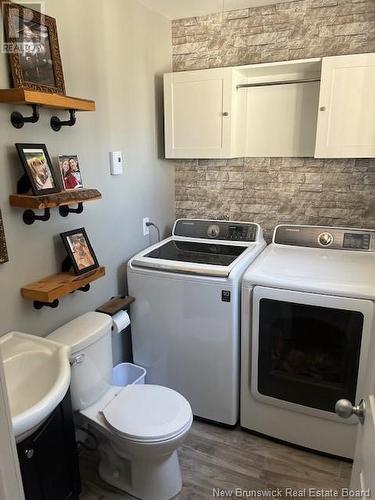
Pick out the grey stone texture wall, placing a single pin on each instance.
(276, 190)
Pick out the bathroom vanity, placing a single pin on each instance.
(49, 460)
(37, 374)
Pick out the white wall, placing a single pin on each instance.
(113, 51)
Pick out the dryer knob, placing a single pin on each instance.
(325, 239)
(213, 231)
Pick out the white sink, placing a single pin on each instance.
(37, 374)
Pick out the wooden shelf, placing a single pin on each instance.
(52, 101)
(54, 287)
(116, 305)
(54, 200)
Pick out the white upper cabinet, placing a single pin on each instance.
(304, 108)
(346, 122)
(198, 114)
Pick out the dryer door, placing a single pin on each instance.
(309, 350)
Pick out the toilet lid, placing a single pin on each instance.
(148, 413)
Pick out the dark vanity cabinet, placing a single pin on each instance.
(49, 460)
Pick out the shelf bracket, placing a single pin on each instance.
(65, 210)
(39, 305)
(85, 288)
(18, 120)
(29, 216)
(56, 123)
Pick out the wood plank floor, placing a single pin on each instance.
(213, 457)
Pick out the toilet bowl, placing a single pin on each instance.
(139, 427)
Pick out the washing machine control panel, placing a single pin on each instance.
(216, 230)
(325, 237)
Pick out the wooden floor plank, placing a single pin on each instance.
(215, 457)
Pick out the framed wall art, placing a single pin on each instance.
(70, 172)
(38, 167)
(33, 48)
(3, 245)
(80, 251)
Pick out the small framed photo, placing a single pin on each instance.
(38, 167)
(80, 251)
(70, 172)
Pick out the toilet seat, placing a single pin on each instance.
(148, 413)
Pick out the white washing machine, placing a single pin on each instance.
(186, 317)
(307, 321)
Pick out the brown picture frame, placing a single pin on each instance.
(3, 245)
(19, 77)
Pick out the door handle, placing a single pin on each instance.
(345, 409)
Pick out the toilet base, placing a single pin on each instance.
(156, 479)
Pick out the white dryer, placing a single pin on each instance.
(186, 317)
(307, 321)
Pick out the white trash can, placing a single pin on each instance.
(128, 373)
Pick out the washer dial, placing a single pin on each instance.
(325, 239)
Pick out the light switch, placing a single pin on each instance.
(116, 163)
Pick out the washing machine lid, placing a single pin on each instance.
(148, 413)
(203, 247)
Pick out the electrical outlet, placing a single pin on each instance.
(146, 229)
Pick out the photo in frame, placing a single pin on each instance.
(70, 172)
(33, 49)
(80, 251)
(3, 245)
(38, 167)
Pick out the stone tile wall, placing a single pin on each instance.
(275, 190)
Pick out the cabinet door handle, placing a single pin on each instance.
(225, 113)
(323, 108)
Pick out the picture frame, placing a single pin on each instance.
(70, 172)
(38, 168)
(33, 48)
(3, 245)
(80, 251)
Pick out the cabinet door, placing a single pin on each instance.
(48, 459)
(198, 108)
(346, 122)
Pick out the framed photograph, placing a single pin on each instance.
(33, 48)
(38, 167)
(3, 245)
(80, 251)
(70, 172)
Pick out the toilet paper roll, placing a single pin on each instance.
(121, 321)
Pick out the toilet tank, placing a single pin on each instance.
(89, 337)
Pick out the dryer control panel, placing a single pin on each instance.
(325, 237)
(216, 230)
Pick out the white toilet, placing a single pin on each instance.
(139, 427)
